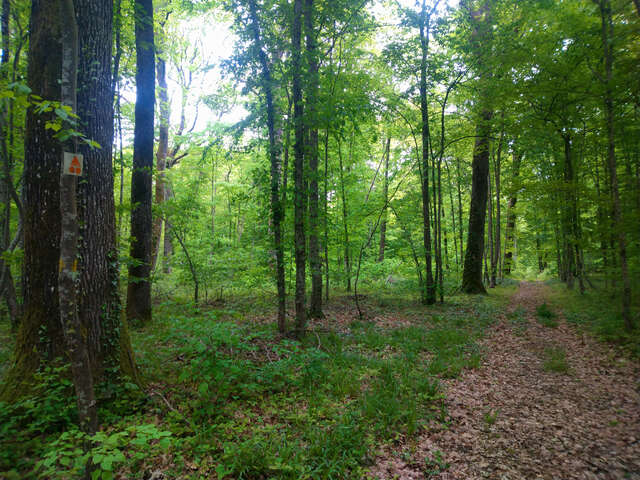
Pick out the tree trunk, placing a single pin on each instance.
(40, 336)
(496, 269)
(6, 185)
(607, 39)
(385, 199)
(511, 214)
(326, 215)
(313, 81)
(429, 296)
(492, 252)
(472, 273)
(274, 157)
(72, 327)
(161, 156)
(139, 288)
(460, 210)
(299, 175)
(167, 252)
(345, 224)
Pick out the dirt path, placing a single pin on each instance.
(512, 419)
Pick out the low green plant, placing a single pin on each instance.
(434, 466)
(66, 456)
(491, 417)
(555, 360)
(546, 316)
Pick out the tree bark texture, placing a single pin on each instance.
(607, 39)
(472, 273)
(300, 193)
(275, 149)
(313, 82)
(139, 288)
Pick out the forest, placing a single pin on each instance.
(320, 239)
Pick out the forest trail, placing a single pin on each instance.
(513, 419)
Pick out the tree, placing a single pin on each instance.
(608, 52)
(315, 264)
(139, 288)
(425, 26)
(472, 273)
(40, 336)
(300, 192)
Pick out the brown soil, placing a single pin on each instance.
(510, 419)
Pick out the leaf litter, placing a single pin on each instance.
(512, 419)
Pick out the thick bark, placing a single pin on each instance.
(139, 288)
(429, 296)
(472, 273)
(161, 156)
(385, 198)
(40, 336)
(274, 157)
(607, 39)
(100, 303)
(300, 193)
(511, 215)
(315, 263)
(72, 327)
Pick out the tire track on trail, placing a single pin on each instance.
(510, 419)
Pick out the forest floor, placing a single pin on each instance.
(547, 402)
(514, 385)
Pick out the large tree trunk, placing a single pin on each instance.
(100, 303)
(472, 273)
(429, 296)
(72, 327)
(139, 288)
(315, 263)
(300, 193)
(511, 214)
(274, 157)
(40, 335)
(607, 39)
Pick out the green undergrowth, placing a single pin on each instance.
(546, 316)
(227, 397)
(597, 312)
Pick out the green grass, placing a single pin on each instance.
(241, 402)
(545, 316)
(519, 321)
(555, 360)
(599, 313)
